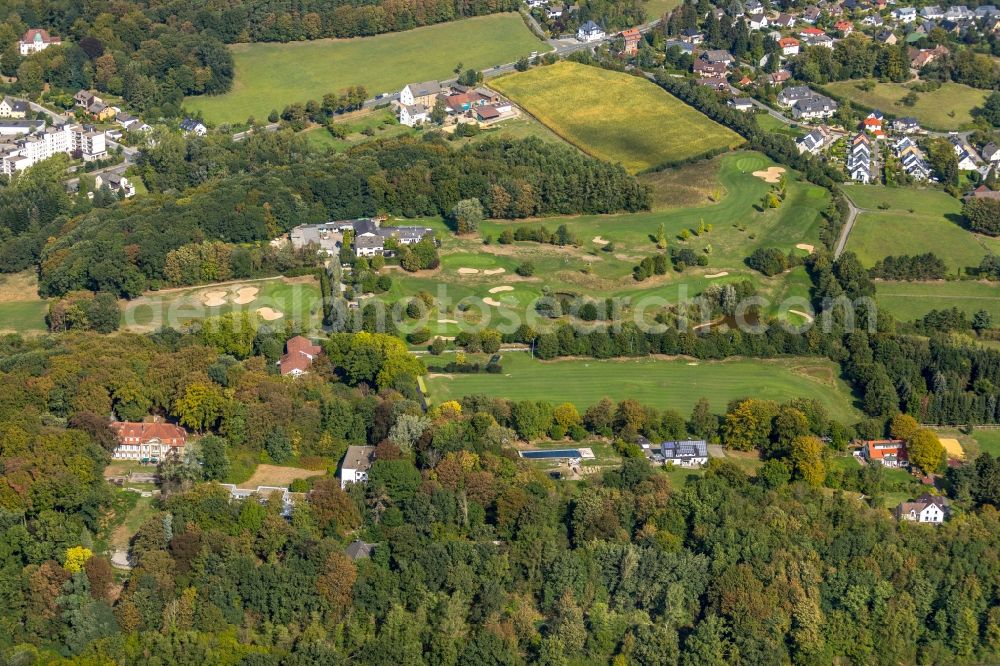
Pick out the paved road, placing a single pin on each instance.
(73, 183)
(852, 217)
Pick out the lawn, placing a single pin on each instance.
(657, 8)
(21, 310)
(988, 441)
(296, 299)
(907, 301)
(947, 108)
(270, 75)
(615, 116)
(768, 122)
(913, 221)
(661, 383)
(588, 268)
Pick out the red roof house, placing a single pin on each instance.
(146, 440)
(815, 32)
(845, 27)
(889, 452)
(299, 356)
(632, 38)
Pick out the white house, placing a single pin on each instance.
(192, 126)
(926, 509)
(904, 14)
(757, 21)
(932, 12)
(818, 106)
(357, 461)
(423, 93)
(412, 115)
(262, 494)
(687, 453)
(789, 46)
(13, 108)
(590, 32)
(991, 153)
(811, 143)
(117, 183)
(35, 40)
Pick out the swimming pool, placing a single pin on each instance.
(540, 454)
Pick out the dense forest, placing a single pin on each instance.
(478, 557)
(246, 193)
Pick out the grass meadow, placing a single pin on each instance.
(270, 75)
(665, 384)
(21, 310)
(947, 108)
(614, 116)
(907, 301)
(900, 221)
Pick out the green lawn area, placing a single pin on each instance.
(270, 75)
(946, 108)
(615, 116)
(737, 229)
(382, 124)
(657, 8)
(768, 122)
(674, 384)
(295, 299)
(916, 221)
(907, 301)
(988, 441)
(21, 310)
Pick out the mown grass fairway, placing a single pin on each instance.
(614, 116)
(21, 310)
(283, 299)
(915, 222)
(674, 384)
(270, 76)
(907, 301)
(947, 108)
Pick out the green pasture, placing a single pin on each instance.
(272, 75)
(947, 108)
(907, 301)
(615, 116)
(673, 384)
(23, 316)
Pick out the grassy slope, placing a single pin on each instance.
(21, 310)
(907, 301)
(614, 116)
(932, 109)
(270, 76)
(933, 225)
(664, 384)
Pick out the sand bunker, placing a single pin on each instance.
(447, 321)
(267, 314)
(245, 295)
(805, 246)
(494, 303)
(717, 275)
(805, 315)
(494, 271)
(214, 299)
(597, 240)
(468, 271)
(497, 290)
(771, 174)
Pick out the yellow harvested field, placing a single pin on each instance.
(614, 116)
(273, 475)
(953, 447)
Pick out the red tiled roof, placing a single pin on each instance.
(879, 448)
(812, 31)
(29, 36)
(788, 41)
(300, 355)
(632, 33)
(142, 433)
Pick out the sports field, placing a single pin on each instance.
(674, 384)
(276, 300)
(270, 76)
(907, 301)
(915, 221)
(947, 108)
(615, 116)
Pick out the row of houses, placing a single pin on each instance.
(911, 159)
(370, 236)
(861, 159)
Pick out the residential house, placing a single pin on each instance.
(927, 508)
(357, 461)
(811, 14)
(966, 156)
(300, 352)
(986, 12)
(116, 183)
(904, 14)
(780, 77)
(753, 6)
(991, 153)
(811, 32)
(783, 21)
(263, 494)
(358, 549)
(912, 159)
(789, 46)
(632, 38)
(789, 96)
(889, 452)
(715, 84)
(741, 103)
(826, 41)
(958, 13)
(148, 441)
(932, 13)
(718, 55)
(907, 125)
(405, 235)
(13, 108)
(859, 161)
(193, 126)
(590, 32)
(692, 36)
(687, 453)
(709, 70)
(93, 105)
(424, 93)
(554, 12)
(875, 20)
(873, 122)
(811, 143)
(887, 37)
(818, 106)
(35, 40)
(684, 47)
(412, 115)
(922, 57)
(983, 192)
(844, 27)
(369, 246)
(757, 21)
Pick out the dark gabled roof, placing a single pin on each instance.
(680, 450)
(358, 549)
(190, 124)
(364, 226)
